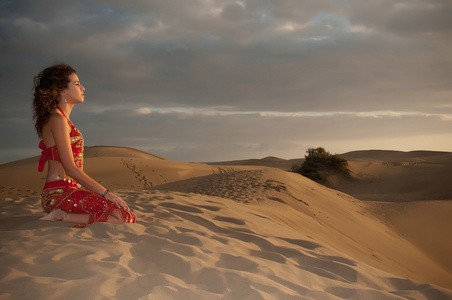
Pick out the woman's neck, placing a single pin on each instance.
(66, 108)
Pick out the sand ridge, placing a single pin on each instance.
(304, 205)
(384, 175)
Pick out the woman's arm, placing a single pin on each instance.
(61, 133)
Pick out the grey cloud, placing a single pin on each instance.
(285, 56)
(421, 17)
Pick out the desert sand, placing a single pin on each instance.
(236, 230)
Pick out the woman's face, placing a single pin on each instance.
(75, 92)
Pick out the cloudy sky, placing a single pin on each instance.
(210, 80)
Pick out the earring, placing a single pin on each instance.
(65, 101)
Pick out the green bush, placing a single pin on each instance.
(319, 163)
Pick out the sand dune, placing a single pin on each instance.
(222, 232)
(398, 176)
(271, 161)
(115, 167)
(382, 175)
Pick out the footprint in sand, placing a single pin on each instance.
(142, 179)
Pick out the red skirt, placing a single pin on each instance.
(67, 196)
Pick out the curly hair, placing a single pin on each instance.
(47, 86)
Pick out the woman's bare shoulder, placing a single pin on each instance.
(57, 120)
(57, 117)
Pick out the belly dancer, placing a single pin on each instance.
(57, 89)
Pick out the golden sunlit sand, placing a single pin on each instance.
(237, 231)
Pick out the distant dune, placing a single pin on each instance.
(237, 230)
(383, 175)
(109, 151)
(396, 156)
(270, 161)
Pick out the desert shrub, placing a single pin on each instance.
(319, 163)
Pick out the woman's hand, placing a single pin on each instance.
(116, 200)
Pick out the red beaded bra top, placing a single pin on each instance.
(51, 153)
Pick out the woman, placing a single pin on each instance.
(56, 90)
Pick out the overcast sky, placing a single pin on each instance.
(219, 80)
